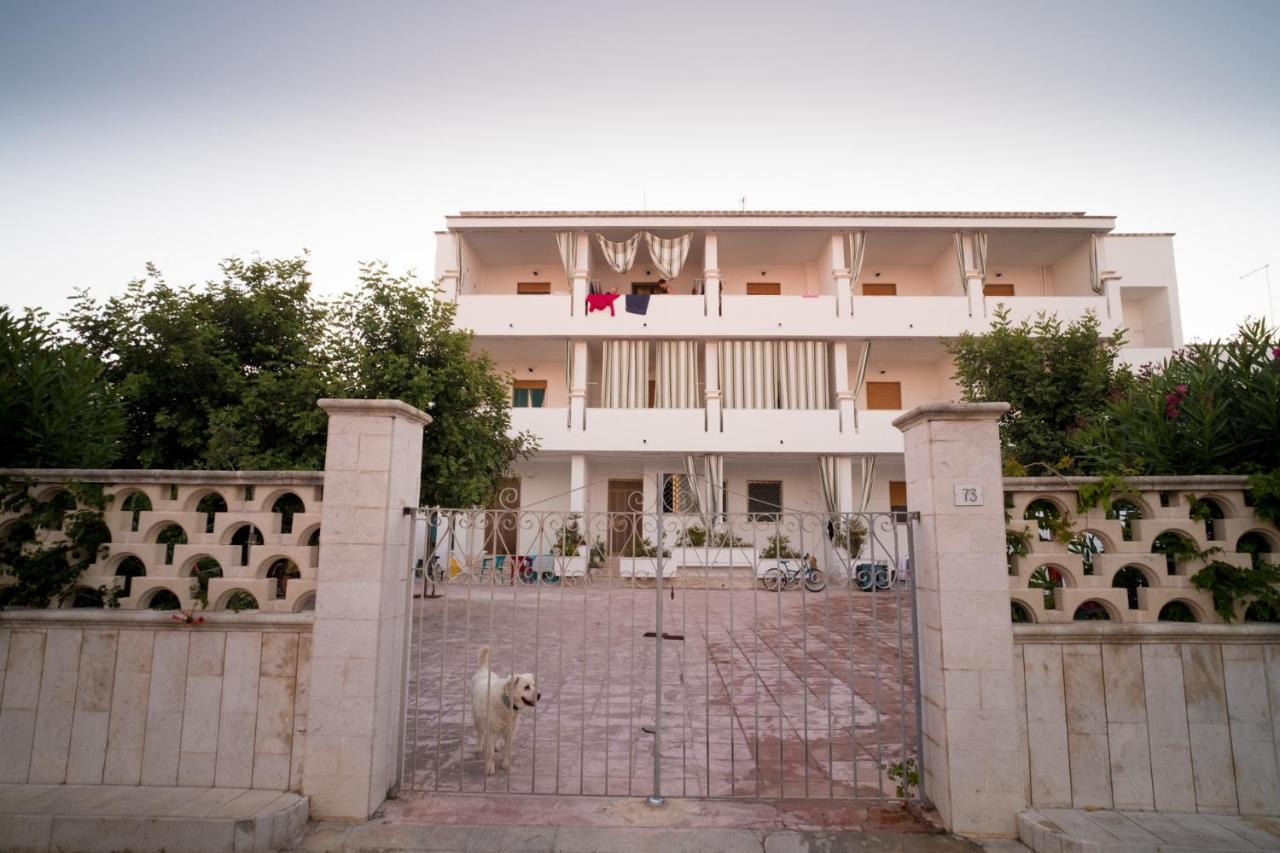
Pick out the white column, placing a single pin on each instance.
(447, 273)
(972, 757)
(846, 497)
(972, 279)
(843, 277)
(581, 274)
(373, 469)
(578, 390)
(711, 274)
(578, 484)
(711, 384)
(844, 394)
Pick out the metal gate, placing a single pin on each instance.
(761, 655)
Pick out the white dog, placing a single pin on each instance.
(496, 702)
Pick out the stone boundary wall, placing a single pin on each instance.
(1170, 717)
(244, 556)
(115, 697)
(1163, 509)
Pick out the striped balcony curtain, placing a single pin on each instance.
(676, 382)
(619, 256)
(868, 480)
(980, 253)
(706, 479)
(855, 250)
(668, 255)
(1095, 266)
(626, 375)
(567, 243)
(828, 473)
(859, 378)
(748, 374)
(803, 375)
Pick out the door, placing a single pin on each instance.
(626, 499)
(502, 529)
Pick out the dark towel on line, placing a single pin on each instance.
(637, 303)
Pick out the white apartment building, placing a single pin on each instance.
(789, 340)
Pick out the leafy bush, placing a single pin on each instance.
(1228, 584)
(568, 539)
(639, 546)
(50, 542)
(849, 533)
(779, 548)
(1264, 491)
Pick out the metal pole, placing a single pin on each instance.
(656, 798)
(412, 514)
(915, 639)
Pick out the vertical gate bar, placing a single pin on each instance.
(655, 798)
(706, 651)
(850, 587)
(560, 612)
(875, 657)
(732, 644)
(778, 653)
(632, 684)
(466, 658)
(444, 654)
(608, 665)
(405, 656)
(915, 642)
(902, 672)
(830, 679)
(515, 565)
(537, 639)
(804, 654)
(582, 742)
(757, 677)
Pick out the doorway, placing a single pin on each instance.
(626, 500)
(500, 537)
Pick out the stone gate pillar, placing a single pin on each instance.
(972, 756)
(373, 470)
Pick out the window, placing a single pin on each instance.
(764, 500)
(997, 289)
(879, 288)
(528, 393)
(764, 288)
(644, 288)
(533, 288)
(897, 496)
(677, 494)
(884, 395)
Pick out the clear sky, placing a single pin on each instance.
(182, 133)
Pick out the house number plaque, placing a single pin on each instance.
(968, 495)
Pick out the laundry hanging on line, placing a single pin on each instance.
(637, 303)
(601, 301)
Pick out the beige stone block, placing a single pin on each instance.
(1090, 770)
(17, 731)
(1123, 680)
(196, 769)
(1252, 738)
(22, 675)
(163, 739)
(161, 748)
(1171, 772)
(240, 672)
(55, 711)
(1130, 754)
(271, 772)
(279, 655)
(235, 750)
(202, 710)
(1086, 702)
(88, 753)
(206, 654)
(1211, 765)
(1047, 720)
(963, 689)
(341, 454)
(1203, 682)
(129, 697)
(5, 634)
(274, 734)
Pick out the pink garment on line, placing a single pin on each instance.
(601, 301)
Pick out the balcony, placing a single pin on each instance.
(780, 431)
(1067, 308)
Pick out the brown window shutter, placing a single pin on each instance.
(884, 395)
(897, 495)
(997, 289)
(764, 288)
(533, 288)
(879, 288)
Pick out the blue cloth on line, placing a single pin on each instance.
(637, 303)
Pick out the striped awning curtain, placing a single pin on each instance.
(868, 479)
(697, 485)
(748, 374)
(980, 252)
(668, 255)
(964, 270)
(828, 473)
(802, 375)
(625, 375)
(619, 256)
(568, 365)
(855, 249)
(713, 475)
(859, 378)
(1095, 266)
(567, 242)
(676, 380)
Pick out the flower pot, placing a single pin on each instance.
(713, 558)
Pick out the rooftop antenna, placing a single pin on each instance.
(743, 200)
(1266, 270)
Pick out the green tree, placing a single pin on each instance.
(56, 408)
(224, 377)
(1057, 378)
(1211, 408)
(393, 339)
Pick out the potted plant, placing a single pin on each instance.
(566, 549)
(696, 547)
(639, 559)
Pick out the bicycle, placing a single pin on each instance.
(790, 571)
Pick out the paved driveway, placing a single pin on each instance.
(764, 695)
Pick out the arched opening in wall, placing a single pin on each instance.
(1261, 611)
(129, 568)
(203, 570)
(1130, 578)
(92, 538)
(1047, 578)
(171, 536)
(1088, 545)
(136, 503)
(1020, 613)
(1257, 546)
(1208, 511)
(283, 570)
(288, 505)
(246, 535)
(210, 505)
(61, 503)
(8, 595)
(1046, 515)
(87, 596)
(162, 599)
(1177, 611)
(1176, 548)
(1091, 611)
(313, 542)
(1124, 511)
(306, 603)
(238, 599)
